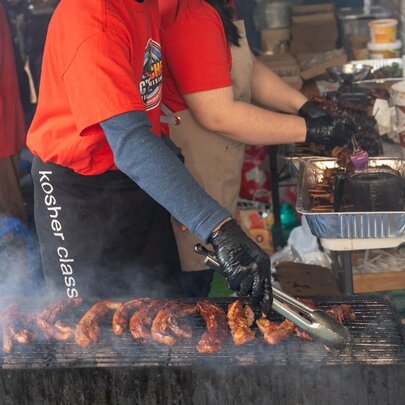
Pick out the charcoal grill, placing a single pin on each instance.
(117, 370)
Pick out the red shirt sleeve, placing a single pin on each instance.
(196, 52)
(12, 131)
(110, 86)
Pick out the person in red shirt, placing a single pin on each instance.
(101, 172)
(12, 130)
(210, 79)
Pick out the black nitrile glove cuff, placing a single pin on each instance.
(227, 225)
(245, 265)
(312, 110)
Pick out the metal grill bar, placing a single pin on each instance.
(376, 339)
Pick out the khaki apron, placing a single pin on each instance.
(213, 160)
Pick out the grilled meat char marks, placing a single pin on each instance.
(51, 327)
(215, 336)
(170, 324)
(141, 321)
(341, 313)
(273, 332)
(240, 319)
(162, 321)
(15, 327)
(88, 330)
(120, 318)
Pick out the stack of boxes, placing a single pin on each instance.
(306, 48)
(384, 43)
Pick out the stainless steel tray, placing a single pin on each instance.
(337, 225)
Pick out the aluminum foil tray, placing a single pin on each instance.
(337, 225)
(378, 63)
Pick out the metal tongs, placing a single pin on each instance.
(317, 323)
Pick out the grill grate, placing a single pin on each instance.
(376, 339)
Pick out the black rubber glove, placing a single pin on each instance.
(245, 265)
(323, 129)
(329, 131)
(312, 110)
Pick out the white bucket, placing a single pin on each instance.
(384, 51)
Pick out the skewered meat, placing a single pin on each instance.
(274, 333)
(120, 318)
(55, 329)
(367, 135)
(240, 319)
(88, 330)
(169, 324)
(214, 337)
(141, 320)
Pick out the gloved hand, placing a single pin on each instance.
(312, 110)
(245, 265)
(323, 129)
(329, 131)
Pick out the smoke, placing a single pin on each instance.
(19, 260)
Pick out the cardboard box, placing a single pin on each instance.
(282, 65)
(306, 280)
(275, 40)
(313, 28)
(312, 9)
(285, 66)
(314, 65)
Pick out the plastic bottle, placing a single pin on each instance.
(288, 219)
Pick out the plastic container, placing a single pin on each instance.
(383, 31)
(384, 51)
(272, 14)
(288, 219)
(353, 24)
(397, 94)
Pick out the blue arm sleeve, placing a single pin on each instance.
(147, 160)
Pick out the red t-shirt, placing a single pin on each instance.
(196, 55)
(101, 58)
(12, 129)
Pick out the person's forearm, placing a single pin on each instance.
(146, 159)
(269, 90)
(216, 110)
